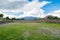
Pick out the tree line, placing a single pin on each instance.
(1, 17)
(48, 18)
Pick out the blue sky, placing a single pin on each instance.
(37, 8)
(54, 5)
(48, 8)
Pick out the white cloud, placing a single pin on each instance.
(34, 9)
(55, 13)
(16, 0)
(13, 0)
(30, 9)
(6, 15)
(11, 4)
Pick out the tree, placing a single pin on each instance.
(1, 16)
(21, 19)
(51, 17)
(55, 17)
(7, 18)
(13, 18)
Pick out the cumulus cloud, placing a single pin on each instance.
(28, 8)
(16, 0)
(55, 13)
(34, 9)
(11, 4)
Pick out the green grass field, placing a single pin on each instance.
(30, 31)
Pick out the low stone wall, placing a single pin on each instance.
(30, 21)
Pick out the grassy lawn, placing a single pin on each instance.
(30, 31)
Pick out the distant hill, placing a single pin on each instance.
(30, 18)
